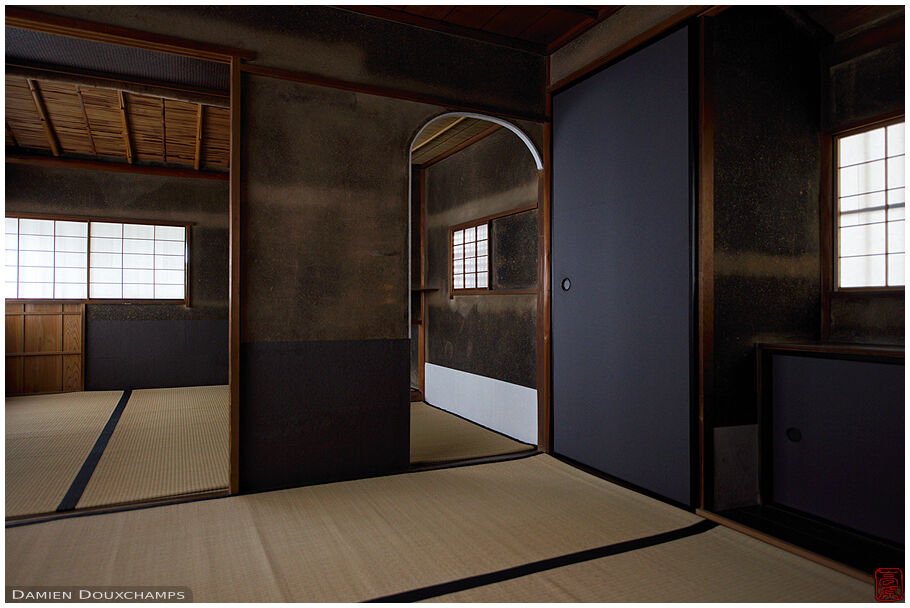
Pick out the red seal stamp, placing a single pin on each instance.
(889, 585)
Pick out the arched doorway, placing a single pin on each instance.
(474, 293)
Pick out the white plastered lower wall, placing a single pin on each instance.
(504, 407)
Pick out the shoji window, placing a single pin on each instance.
(871, 208)
(95, 260)
(46, 259)
(471, 258)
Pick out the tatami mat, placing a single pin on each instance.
(438, 436)
(169, 441)
(719, 565)
(48, 437)
(370, 538)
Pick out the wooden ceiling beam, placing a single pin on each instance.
(448, 28)
(198, 158)
(125, 127)
(96, 165)
(585, 11)
(88, 126)
(9, 131)
(163, 134)
(42, 114)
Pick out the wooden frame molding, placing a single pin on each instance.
(100, 32)
(234, 282)
(705, 279)
(97, 165)
(631, 45)
(344, 85)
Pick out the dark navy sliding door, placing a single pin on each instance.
(621, 235)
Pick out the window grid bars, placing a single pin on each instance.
(887, 207)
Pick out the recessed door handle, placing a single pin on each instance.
(566, 284)
(794, 434)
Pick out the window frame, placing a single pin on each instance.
(831, 212)
(450, 256)
(185, 301)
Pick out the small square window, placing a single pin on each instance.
(470, 258)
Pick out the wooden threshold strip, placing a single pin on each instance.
(95, 165)
(789, 547)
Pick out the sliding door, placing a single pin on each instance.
(621, 268)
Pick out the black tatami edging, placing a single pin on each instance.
(499, 576)
(71, 499)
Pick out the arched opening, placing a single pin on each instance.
(474, 270)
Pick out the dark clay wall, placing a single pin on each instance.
(145, 345)
(337, 43)
(766, 188)
(488, 335)
(324, 235)
(863, 88)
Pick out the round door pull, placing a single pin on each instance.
(794, 434)
(566, 284)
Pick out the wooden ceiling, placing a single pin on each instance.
(843, 21)
(538, 29)
(447, 135)
(103, 124)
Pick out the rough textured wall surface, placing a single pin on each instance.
(325, 213)
(766, 189)
(488, 335)
(864, 88)
(341, 44)
(145, 345)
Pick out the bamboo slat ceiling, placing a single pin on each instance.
(87, 122)
(445, 134)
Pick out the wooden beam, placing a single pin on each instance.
(9, 131)
(42, 114)
(235, 277)
(438, 133)
(88, 126)
(335, 83)
(101, 80)
(544, 323)
(95, 165)
(438, 25)
(705, 276)
(125, 127)
(101, 32)
(623, 49)
(580, 29)
(584, 11)
(163, 133)
(492, 129)
(198, 159)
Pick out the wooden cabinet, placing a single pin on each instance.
(44, 347)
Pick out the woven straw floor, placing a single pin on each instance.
(48, 437)
(438, 436)
(168, 442)
(364, 539)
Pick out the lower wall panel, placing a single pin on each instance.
(508, 408)
(322, 411)
(155, 353)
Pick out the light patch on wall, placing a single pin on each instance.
(752, 264)
(504, 407)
